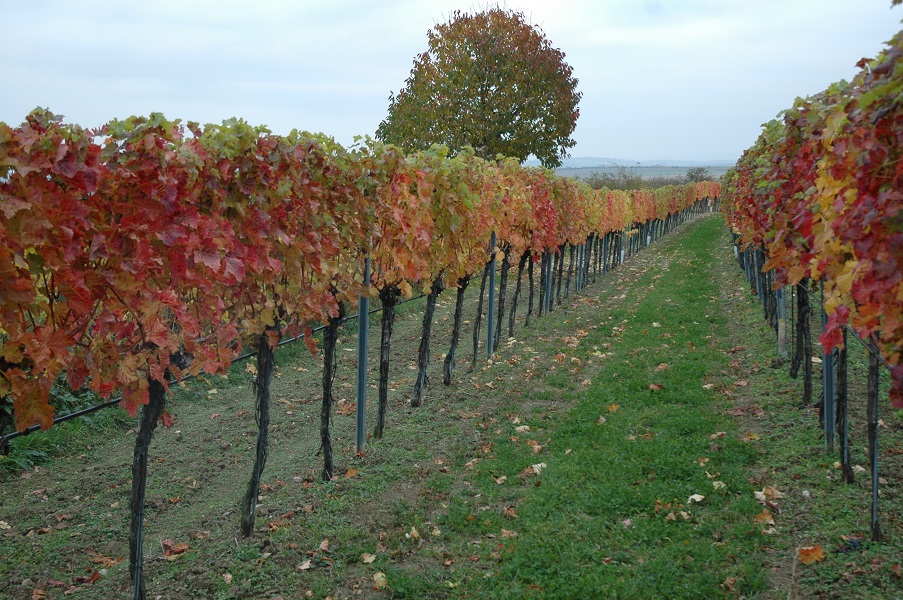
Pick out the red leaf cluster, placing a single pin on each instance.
(147, 250)
(822, 192)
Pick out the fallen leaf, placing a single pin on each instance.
(719, 485)
(470, 464)
(742, 383)
(303, 566)
(767, 494)
(538, 467)
(764, 518)
(510, 512)
(351, 473)
(508, 534)
(172, 551)
(627, 523)
(613, 407)
(662, 367)
(708, 386)
(695, 498)
(655, 386)
(379, 581)
(601, 421)
(500, 480)
(106, 561)
(717, 435)
(522, 428)
(534, 446)
(436, 532)
(227, 577)
(367, 558)
(811, 554)
(38, 594)
(413, 534)
(4, 525)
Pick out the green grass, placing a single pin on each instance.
(599, 522)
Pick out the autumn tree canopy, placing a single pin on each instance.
(489, 80)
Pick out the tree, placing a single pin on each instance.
(696, 174)
(490, 81)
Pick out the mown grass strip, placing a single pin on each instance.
(610, 515)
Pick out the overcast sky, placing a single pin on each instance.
(675, 79)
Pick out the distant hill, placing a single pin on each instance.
(588, 162)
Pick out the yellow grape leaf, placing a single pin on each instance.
(367, 558)
(811, 554)
(405, 288)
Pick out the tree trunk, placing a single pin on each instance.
(330, 337)
(543, 275)
(567, 281)
(560, 260)
(265, 366)
(530, 300)
(846, 465)
(520, 273)
(388, 296)
(423, 358)
(803, 355)
(503, 288)
(478, 319)
(449, 365)
(150, 414)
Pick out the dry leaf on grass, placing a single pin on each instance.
(764, 518)
(379, 581)
(811, 554)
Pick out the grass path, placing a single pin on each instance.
(610, 451)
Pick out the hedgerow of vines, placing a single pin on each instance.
(148, 250)
(822, 192)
